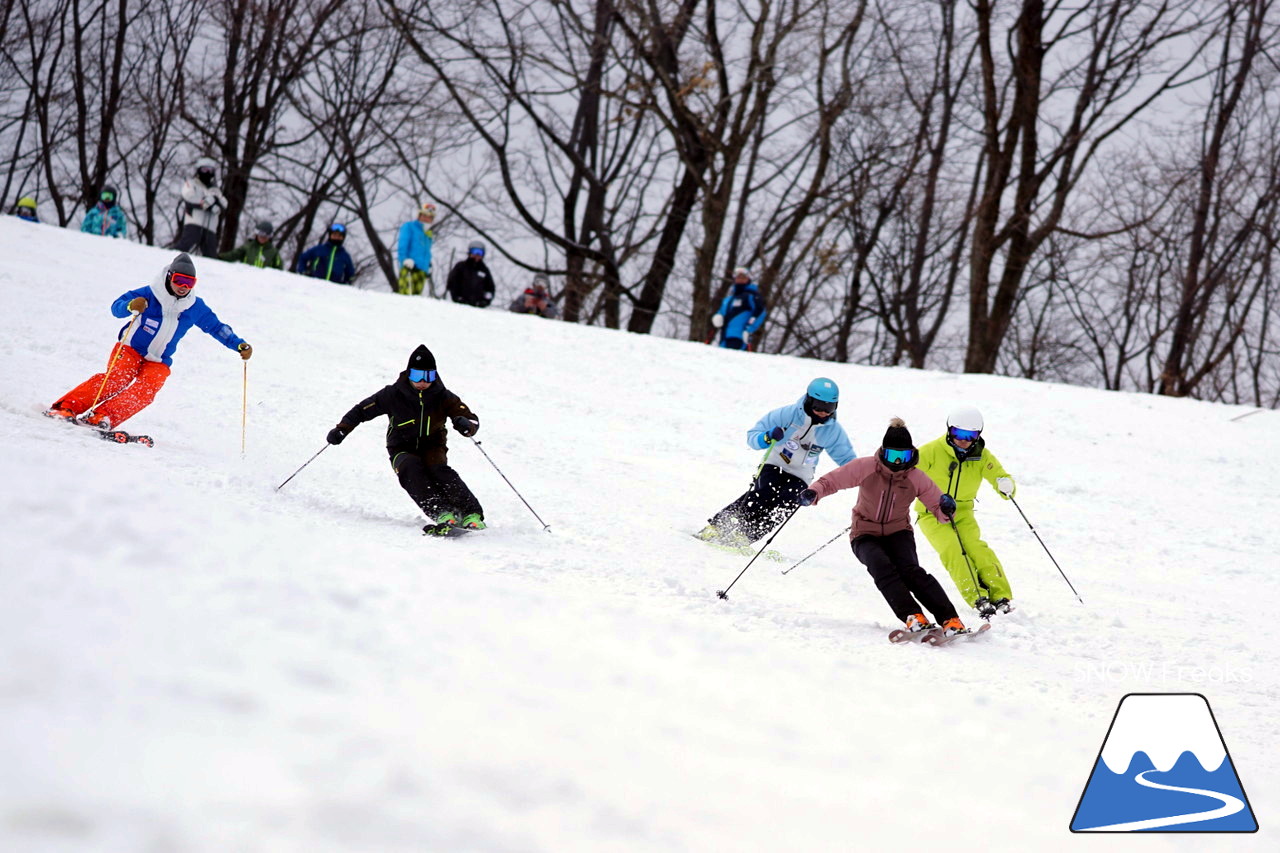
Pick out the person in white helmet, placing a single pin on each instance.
(958, 462)
(203, 204)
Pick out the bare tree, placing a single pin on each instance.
(1043, 121)
(1231, 234)
(232, 100)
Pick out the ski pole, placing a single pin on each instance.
(545, 526)
(1046, 550)
(724, 593)
(820, 547)
(244, 407)
(303, 465)
(112, 366)
(969, 563)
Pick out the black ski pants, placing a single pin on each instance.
(196, 239)
(434, 488)
(891, 561)
(772, 495)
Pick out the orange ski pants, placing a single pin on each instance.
(132, 383)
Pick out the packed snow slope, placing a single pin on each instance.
(191, 660)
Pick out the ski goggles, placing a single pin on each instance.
(959, 434)
(898, 457)
(337, 228)
(476, 253)
(822, 405)
(107, 197)
(422, 375)
(26, 213)
(181, 279)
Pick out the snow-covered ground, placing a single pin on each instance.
(193, 661)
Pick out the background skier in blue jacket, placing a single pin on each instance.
(328, 260)
(794, 437)
(414, 249)
(741, 312)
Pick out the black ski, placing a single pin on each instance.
(446, 529)
(119, 436)
(115, 436)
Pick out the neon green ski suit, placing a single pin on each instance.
(961, 479)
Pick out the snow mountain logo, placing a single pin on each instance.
(1164, 767)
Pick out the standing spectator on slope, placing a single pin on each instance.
(258, 251)
(793, 437)
(469, 281)
(536, 299)
(139, 363)
(414, 250)
(26, 209)
(329, 260)
(204, 204)
(958, 462)
(106, 218)
(881, 537)
(418, 409)
(741, 312)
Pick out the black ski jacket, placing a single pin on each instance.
(470, 283)
(416, 419)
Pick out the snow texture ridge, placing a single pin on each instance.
(192, 661)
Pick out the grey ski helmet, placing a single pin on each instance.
(182, 266)
(265, 228)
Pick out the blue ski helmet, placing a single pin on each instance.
(822, 394)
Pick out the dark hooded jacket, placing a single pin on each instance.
(416, 420)
(470, 283)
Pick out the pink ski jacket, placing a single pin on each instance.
(884, 496)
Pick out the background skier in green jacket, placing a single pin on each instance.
(958, 462)
(258, 251)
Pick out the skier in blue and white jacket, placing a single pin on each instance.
(795, 437)
(741, 313)
(140, 361)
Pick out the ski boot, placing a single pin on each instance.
(953, 626)
(444, 525)
(917, 622)
(1003, 605)
(97, 421)
(984, 607)
(710, 533)
(473, 521)
(60, 414)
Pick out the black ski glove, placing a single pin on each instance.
(336, 435)
(777, 433)
(467, 427)
(807, 497)
(948, 505)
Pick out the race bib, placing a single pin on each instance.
(789, 450)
